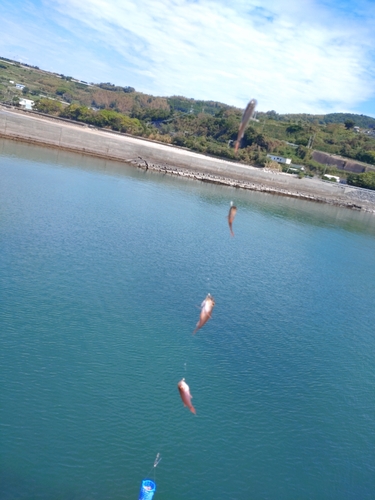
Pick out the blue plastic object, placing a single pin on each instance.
(148, 489)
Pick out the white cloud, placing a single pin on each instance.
(292, 56)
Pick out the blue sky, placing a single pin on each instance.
(293, 56)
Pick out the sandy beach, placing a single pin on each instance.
(150, 155)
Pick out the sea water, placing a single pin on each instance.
(103, 268)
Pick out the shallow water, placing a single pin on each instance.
(102, 270)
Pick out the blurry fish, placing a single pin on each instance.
(247, 115)
(185, 395)
(206, 310)
(157, 460)
(231, 216)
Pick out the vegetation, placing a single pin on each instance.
(204, 126)
(349, 124)
(362, 121)
(184, 105)
(103, 118)
(49, 106)
(114, 88)
(366, 180)
(328, 178)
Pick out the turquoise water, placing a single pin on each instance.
(102, 270)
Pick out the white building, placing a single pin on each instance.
(20, 86)
(26, 103)
(337, 179)
(280, 159)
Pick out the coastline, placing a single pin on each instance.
(143, 153)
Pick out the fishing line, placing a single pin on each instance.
(157, 461)
(166, 437)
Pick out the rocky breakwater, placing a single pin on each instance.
(314, 190)
(158, 157)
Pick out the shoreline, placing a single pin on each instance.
(248, 185)
(45, 130)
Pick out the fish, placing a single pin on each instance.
(231, 216)
(185, 395)
(247, 115)
(206, 310)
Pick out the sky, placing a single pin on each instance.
(293, 56)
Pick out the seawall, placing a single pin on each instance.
(47, 131)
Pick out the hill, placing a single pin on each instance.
(206, 126)
(362, 121)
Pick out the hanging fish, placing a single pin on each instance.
(206, 310)
(247, 115)
(157, 460)
(185, 395)
(231, 216)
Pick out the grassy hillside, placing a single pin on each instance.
(68, 90)
(205, 126)
(362, 121)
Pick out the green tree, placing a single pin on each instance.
(366, 156)
(103, 118)
(303, 152)
(62, 90)
(72, 111)
(349, 124)
(293, 129)
(365, 180)
(49, 106)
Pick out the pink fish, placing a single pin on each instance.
(231, 216)
(206, 310)
(185, 395)
(247, 115)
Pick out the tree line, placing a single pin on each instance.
(216, 134)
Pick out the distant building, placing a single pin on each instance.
(280, 159)
(11, 81)
(26, 103)
(332, 177)
(20, 86)
(298, 167)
